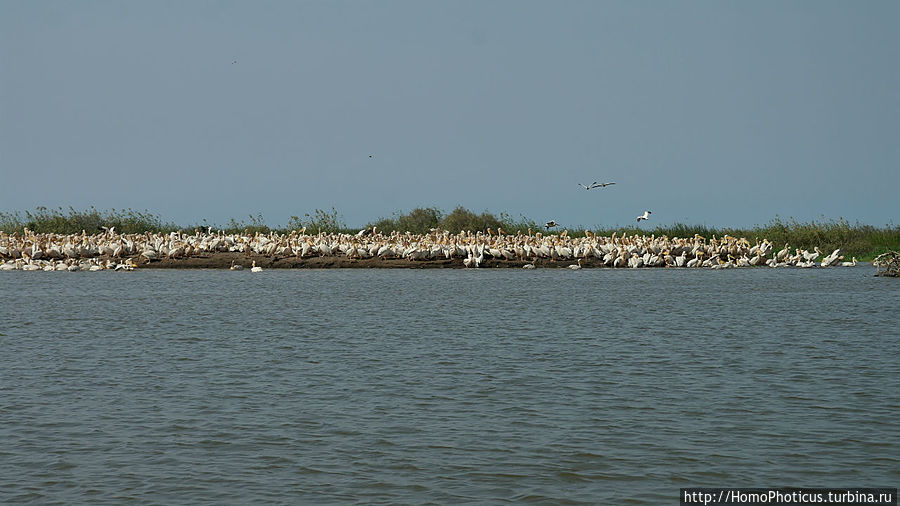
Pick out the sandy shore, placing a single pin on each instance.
(223, 261)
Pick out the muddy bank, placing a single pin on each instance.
(223, 261)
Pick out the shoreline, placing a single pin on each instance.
(223, 261)
(438, 249)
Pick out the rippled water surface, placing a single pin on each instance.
(445, 386)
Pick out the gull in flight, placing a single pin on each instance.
(645, 216)
(595, 184)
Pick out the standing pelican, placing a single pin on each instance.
(645, 216)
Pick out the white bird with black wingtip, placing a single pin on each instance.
(645, 216)
(595, 184)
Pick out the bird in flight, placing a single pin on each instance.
(550, 224)
(595, 184)
(233, 62)
(645, 216)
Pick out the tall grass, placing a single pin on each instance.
(60, 221)
(422, 220)
(862, 241)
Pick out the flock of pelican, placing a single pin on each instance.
(109, 250)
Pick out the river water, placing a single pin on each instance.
(444, 386)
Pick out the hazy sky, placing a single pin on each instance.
(725, 113)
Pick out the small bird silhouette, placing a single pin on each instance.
(595, 184)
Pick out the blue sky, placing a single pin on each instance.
(705, 112)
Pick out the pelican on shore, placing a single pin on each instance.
(645, 216)
(833, 259)
(495, 247)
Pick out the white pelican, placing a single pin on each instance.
(645, 216)
(254, 268)
(576, 267)
(696, 261)
(595, 184)
(528, 266)
(236, 267)
(550, 224)
(849, 264)
(832, 259)
(811, 256)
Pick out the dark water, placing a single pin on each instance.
(444, 386)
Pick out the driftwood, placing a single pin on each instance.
(888, 264)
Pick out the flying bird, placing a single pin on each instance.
(233, 62)
(645, 216)
(550, 224)
(595, 184)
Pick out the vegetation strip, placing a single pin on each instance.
(863, 241)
